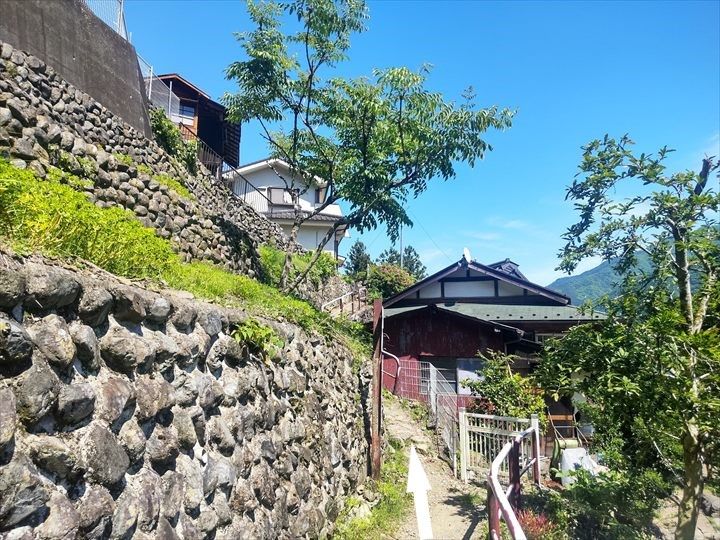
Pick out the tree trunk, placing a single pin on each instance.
(694, 483)
(289, 252)
(314, 258)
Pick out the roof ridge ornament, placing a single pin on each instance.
(466, 255)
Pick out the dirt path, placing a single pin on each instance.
(456, 510)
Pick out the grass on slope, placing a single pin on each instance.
(394, 501)
(50, 217)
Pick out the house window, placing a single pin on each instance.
(543, 337)
(187, 113)
(320, 195)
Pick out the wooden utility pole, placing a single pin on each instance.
(375, 438)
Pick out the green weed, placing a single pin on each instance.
(124, 159)
(394, 501)
(261, 340)
(52, 218)
(272, 261)
(175, 185)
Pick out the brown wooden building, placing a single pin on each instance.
(447, 318)
(204, 118)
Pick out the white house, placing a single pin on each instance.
(263, 185)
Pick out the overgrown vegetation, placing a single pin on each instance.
(394, 501)
(611, 506)
(52, 218)
(260, 339)
(651, 369)
(503, 392)
(173, 184)
(273, 259)
(387, 280)
(168, 136)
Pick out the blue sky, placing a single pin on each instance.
(573, 70)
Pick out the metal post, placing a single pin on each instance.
(462, 420)
(119, 18)
(401, 247)
(375, 439)
(535, 424)
(170, 93)
(493, 510)
(514, 474)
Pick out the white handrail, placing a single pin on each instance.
(495, 490)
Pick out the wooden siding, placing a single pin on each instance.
(438, 334)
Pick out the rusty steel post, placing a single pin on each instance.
(514, 473)
(375, 438)
(493, 512)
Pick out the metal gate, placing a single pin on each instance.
(443, 402)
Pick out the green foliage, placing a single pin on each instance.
(54, 219)
(357, 261)
(651, 370)
(175, 185)
(614, 505)
(375, 140)
(506, 393)
(125, 159)
(394, 501)
(261, 340)
(411, 261)
(168, 136)
(144, 169)
(272, 261)
(386, 280)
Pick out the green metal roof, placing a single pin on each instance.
(502, 312)
(507, 313)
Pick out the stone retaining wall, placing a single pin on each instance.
(126, 412)
(45, 121)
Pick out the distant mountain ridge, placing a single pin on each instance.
(592, 284)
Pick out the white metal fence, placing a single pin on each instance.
(482, 436)
(157, 92)
(468, 441)
(112, 13)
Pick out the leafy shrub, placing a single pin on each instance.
(387, 280)
(168, 136)
(272, 261)
(610, 506)
(261, 340)
(614, 504)
(503, 392)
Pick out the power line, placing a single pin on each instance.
(415, 220)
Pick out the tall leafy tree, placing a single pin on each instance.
(410, 261)
(358, 259)
(651, 371)
(375, 140)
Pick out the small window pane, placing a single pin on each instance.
(187, 110)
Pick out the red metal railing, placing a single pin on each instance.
(503, 503)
